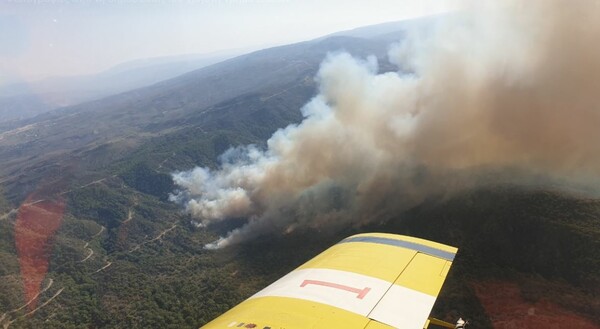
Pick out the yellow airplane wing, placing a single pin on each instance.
(366, 281)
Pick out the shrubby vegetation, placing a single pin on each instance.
(134, 279)
(174, 283)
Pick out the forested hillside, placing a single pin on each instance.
(124, 256)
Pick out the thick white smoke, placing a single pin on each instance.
(495, 90)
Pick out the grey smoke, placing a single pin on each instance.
(500, 88)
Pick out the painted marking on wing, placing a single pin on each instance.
(360, 293)
(307, 284)
(404, 244)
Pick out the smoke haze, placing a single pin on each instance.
(497, 90)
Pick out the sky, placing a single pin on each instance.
(42, 38)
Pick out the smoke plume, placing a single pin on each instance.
(499, 89)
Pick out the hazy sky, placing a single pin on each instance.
(40, 38)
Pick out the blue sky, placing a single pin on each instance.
(41, 38)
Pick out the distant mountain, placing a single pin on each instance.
(203, 97)
(25, 100)
(394, 31)
(29, 99)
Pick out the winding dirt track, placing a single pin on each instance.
(90, 253)
(4, 320)
(66, 192)
(44, 304)
(102, 228)
(50, 283)
(164, 161)
(158, 237)
(86, 185)
(108, 263)
(87, 244)
(6, 215)
(7, 323)
(129, 216)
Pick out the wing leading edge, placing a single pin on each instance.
(367, 281)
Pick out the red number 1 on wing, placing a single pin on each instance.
(360, 293)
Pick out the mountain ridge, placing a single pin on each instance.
(111, 162)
